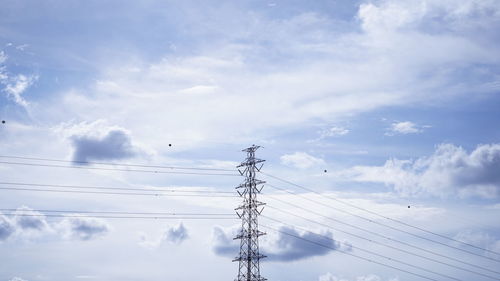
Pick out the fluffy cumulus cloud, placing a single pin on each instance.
(404, 128)
(7, 227)
(116, 144)
(27, 219)
(83, 228)
(173, 234)
(98, 141)
(286, 246)
(301, 160)
(176, 234)
(24, 222)
(223, 243)
(450, 171)
(292, 245)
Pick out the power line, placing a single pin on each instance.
(116, 164)
(112, 212)
(397, 221)
(114, 193)
(350, 254)
(376, 242)
(367, 251)
(371, 232)
(126, 217)
(115, 169)
(114, 188)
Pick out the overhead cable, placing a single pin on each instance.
(146, 188)
(394, 220)
(116, 164)
(348, 253)
(365, 250)
(380, 243)
(118, 169)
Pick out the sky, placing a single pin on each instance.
(391, 106)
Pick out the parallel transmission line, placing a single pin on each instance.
(146, 188)
(116, 164)
(391, 219)
(157, 194)
(117, 169)
(374, 241)
(372, 232)
(113, 214)
(348, 253)
(367, 251)
(126, 217)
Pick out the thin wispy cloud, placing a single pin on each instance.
(404, 128)
(301, 160)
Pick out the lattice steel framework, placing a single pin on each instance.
(249, 256)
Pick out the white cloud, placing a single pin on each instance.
(301, 160)
(83, 228)
(291, 244)
(335, 74)
(330, 277)
(404, 128)
(17, 279)
(176, 234)
(370, 277)
(29, 220)
(98, 141)
(223, 243)
(173, 234)
(28, 223)
(478, 238)
(22, 47)
(3, 74)
(450, 171)
(334, 131)
(279, 246)
(16, 87)
(407, 15)
(7, 227)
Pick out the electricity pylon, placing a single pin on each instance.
(249, 256)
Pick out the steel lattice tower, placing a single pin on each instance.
(249, 256)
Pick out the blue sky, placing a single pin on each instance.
(397, 100)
